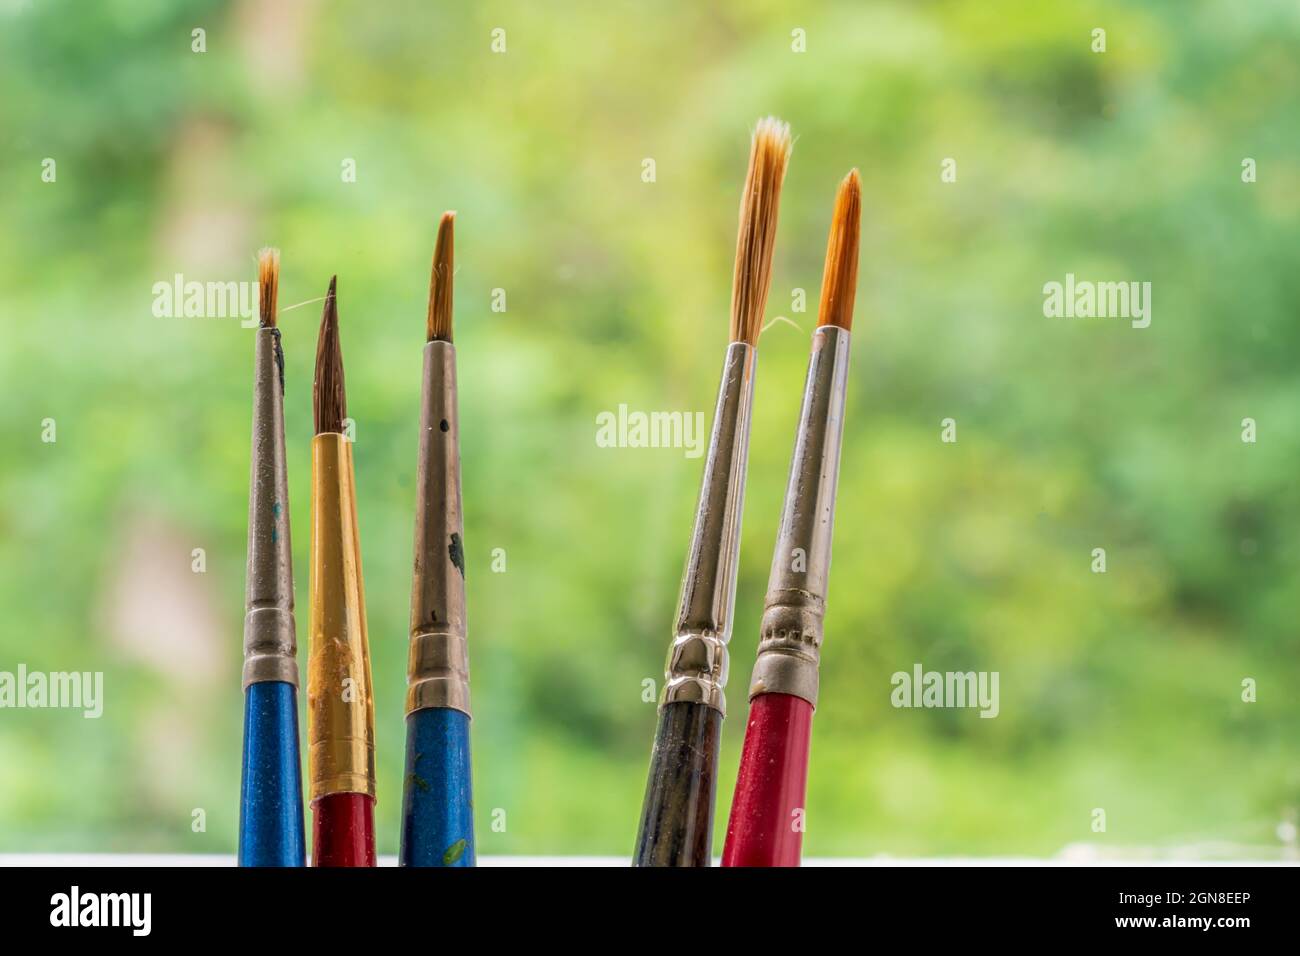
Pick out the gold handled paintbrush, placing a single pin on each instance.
(340, 703)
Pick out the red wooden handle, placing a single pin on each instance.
(767, 812)
(343, 828)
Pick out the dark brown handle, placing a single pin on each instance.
(677, 815)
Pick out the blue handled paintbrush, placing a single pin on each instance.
(437, 807)
(270, 809)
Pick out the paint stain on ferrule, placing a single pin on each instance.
(279, 356)
(456, 550)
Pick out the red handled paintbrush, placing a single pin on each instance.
(767, 812)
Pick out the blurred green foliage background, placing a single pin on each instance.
(1120, 691)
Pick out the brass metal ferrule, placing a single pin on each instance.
(437, 672)
(697, 660)
(789, 649)
(340, 703)
(270, 641)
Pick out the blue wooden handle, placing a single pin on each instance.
(270, 807)
(437, 802)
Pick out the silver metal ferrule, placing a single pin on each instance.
(270, 642)
(437, 672)
(789, 649)
(697, 660)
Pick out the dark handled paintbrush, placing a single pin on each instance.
(437, 805)
(677, 815)
(270, 809)
(767, 814)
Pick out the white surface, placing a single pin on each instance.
(144, 859)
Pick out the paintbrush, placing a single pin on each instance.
(270, 807)
(767, 813)
(437, 808)
(340, 704)
(677, 815)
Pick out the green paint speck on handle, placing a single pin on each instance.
(454, 852)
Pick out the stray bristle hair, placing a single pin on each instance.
(768, 157)
(329, 401)
(439, 321)
(268, 283)
(840, 277)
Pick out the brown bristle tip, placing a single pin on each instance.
(268, 283)
(840, 276)
(329, 400)
(440, 281)
(769, 154)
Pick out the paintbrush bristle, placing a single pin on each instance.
(329, 400)
(439, 320)
(768, 156)
(840, 277)
(268, 284)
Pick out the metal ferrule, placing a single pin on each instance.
(437, 673)
(697, 660)
(789, 648)
(340, 703)
(270, 641)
